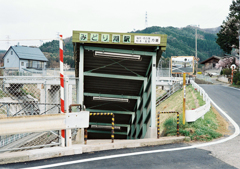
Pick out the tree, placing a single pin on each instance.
(228, 35)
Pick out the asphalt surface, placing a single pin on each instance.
(194, 158)
(186, 69)
(226, 98)
(229, 100)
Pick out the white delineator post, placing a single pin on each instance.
(61, 85)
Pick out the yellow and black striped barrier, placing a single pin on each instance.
(158, 122)
(101, 114)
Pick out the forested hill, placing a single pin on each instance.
(181, 42)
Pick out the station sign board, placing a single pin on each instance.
(120, 38)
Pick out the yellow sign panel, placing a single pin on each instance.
(120, 38)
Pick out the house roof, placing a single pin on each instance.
(213, 57)
(28, 53)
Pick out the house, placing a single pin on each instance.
(24, 58)
(209, 64)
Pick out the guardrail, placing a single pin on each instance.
(193, 115)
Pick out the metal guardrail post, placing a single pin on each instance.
(158, 123)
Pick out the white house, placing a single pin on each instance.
(23, 58)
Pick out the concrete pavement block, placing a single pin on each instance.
(93, 145)
(10, 158)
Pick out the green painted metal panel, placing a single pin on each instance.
(111, 95)
(106, 132)
(114, 76)
(109, 124)
(133, 52)
(116, 38)
(110, 111)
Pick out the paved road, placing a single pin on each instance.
(225, 155)
(228, 99)
(186, 69)
(194, 158)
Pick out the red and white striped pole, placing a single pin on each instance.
(62, 85)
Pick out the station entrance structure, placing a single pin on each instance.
(117, 74)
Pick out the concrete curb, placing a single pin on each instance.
(30, 155)
(92, 146)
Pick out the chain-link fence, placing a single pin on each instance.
(27, 96)
(163, 72)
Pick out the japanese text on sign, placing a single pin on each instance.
(147, 39)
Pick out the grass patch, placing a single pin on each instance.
(236, 86)
(201, 102)
(200, 130)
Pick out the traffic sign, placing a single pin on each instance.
(182, 64)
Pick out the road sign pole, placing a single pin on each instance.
(184, 96)
(61, 85)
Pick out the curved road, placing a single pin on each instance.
(228, 99)
(224, 155)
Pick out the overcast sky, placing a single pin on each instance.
(43, 19)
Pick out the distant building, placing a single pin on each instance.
(210, 63)
(23, 58)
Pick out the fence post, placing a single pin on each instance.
(177, 124)
(184, 96)
(112, 132)
(45, 90)
(68, 131)
(158, 123)
(85, 136)
(158, 126)
(61, 85)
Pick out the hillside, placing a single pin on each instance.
(181, 42)
(51, 51)
(212, 30)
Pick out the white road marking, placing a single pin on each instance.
(232, 87)
(236, 133)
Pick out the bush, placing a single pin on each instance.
(236, 78)
(227, 71)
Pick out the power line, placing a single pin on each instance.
(24, 39)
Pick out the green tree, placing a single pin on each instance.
(228, 35)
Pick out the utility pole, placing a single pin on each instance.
(239, 47)
(146, 21)
(196, 48)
